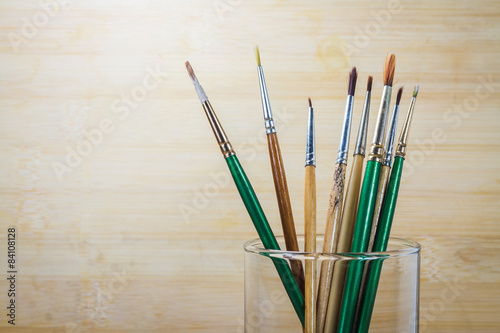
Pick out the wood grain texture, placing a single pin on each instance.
(285, 206)
(332, 232)
(345, 240)
(154, 199)
(382, 187)
(310, 246)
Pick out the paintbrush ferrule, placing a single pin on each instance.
(310, 146)
(389, 140)
(363, 127)
(221, 137)
(377, 148)
(266, 105)
(346, 131)
(403, 138)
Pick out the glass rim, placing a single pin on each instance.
(407, 247)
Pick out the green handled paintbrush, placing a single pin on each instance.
(250, 200)
(366, 206)
(385, 223)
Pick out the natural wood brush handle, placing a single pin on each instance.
(333, 224)
(382, 186)
(285, 206)
(310, 246)
(310, 209)
(345, 240)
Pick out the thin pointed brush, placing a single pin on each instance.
(250, 199)
(349, 214)
(335, 207)
(382, 187)
(310, 224)
(385, 170)
(366, 205)
(385, 223)
(279, 176)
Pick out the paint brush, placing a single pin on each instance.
(366, 205)
(279, 177)
(310, 224)
(334, 214)
(386, 218)
(349, 214)
(250, 199)
(385, 169)
(382, 186)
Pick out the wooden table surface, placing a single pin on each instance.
(126, 220)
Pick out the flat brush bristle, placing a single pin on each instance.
(389, 68)
(415, 91)
(310, 103)
(398, 98)
(257, 55)
(190, 71)
(353, 76)
(369, 84)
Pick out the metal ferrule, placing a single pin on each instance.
(310, 146)
(403, 138)
(363, 127)
(377, 149)
(389, 139)
(346, 131)
(220, 135)
(266, 106)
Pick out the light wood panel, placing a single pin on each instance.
(153, 200)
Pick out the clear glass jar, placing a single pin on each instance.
(396, 305)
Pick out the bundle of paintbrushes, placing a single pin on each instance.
(335, 298)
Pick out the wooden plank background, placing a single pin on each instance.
(135, 225)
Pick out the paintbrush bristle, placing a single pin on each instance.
(400, 93)
(353, 76)
(310, 103)
(191, 72)
(257, 55)
(199, 89)
(369, 84)
(415, 91)
(389, 68)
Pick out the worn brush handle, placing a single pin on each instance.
(285, 206)
(359, 244)
(333, 221)
(380, 244)
(345, 240)
(310, 246)
(382, 186)
(265, 233)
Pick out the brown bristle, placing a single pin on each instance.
(353, 76)
(369, 84)
(389, 67)
(190, 71)
(398, 98)
(310, 103)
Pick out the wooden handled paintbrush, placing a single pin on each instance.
(335, 207)
(385, 222)
(250, 199)
(349, 214)
(279, 177)
(310, 225)
(366, 206)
